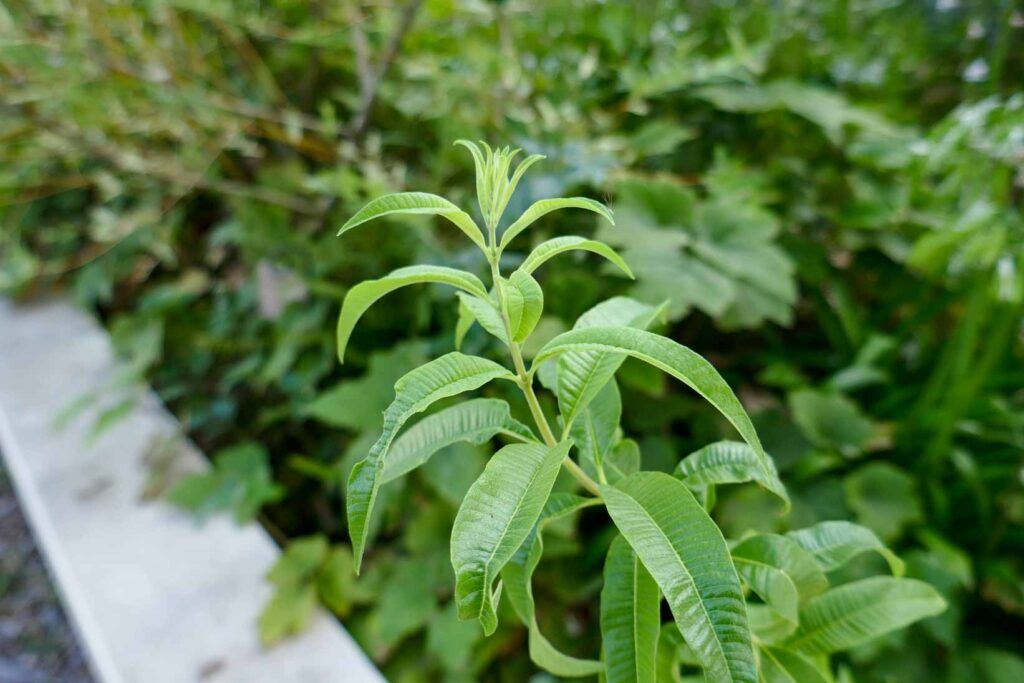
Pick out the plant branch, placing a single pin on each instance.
(372, 83)
(526, 384)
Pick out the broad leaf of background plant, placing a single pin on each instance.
(240, 481)
(717, 254)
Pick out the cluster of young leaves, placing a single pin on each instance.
(668, 545)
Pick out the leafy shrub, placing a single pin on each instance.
(669, 545)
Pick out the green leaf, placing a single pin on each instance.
(884, 498)
(581, 375)
(497, 515)
(630, 617)
(687, 556)
(769, 582)
(671, 357)
(545, 206)
(517, 575)
(449, 375)
(363, 295)
(530, 304)
(858, 612)
(835, 543)
(558, 245)
(549, 658)
(596, 429)
(294, 601)
(782, 666)
(475, 421)
(831, 420)
(622, 461)
(484, 311)
(729, 462)
(241, 481)
(289, 611)
(416, 203)
(786, 555)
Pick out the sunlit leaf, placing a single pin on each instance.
(686, 554)
(449, 375)
(416, 203)
(497, 515)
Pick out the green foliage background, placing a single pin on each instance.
(829, 193)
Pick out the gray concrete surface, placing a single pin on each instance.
(154, 597)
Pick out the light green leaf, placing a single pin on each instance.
(782, 666)
(517, 575)
(449, 375)
(861, 611)
(770, 583)
(363, 295)
(475, 421)
(622, 461)
(595, 430)
(785, 555)
(558, 245)
(240, 481)
(546, 206)
(523, 288)
(687, 556)
(630, 617)
(416, 203)
(729, 462)
(835, 543)
(485, 312)
(497, 515)
(671, 357)
(581, 375)
(549, 658)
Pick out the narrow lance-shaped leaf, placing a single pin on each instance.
(581, 375)
(687, 556)
(416, 203)
(449, 375)
(595, 430)
(770, 583)
(496, 516)
(858, 612)
(782, 666)
(517, 576)
(559, 245)
(545, 206)
(630, 617)
(363, 295)
(835, 543)
(475, 421)
(730, 462)
(671, 357)
(786, 555)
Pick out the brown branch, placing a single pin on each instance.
(362, 117)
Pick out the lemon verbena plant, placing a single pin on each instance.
(758, 608)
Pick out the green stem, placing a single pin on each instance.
(526, 382)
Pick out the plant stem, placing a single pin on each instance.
(526, 382)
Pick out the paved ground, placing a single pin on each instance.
(37, 644)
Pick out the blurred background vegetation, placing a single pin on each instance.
(828, 192)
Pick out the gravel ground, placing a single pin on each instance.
(37, 644)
